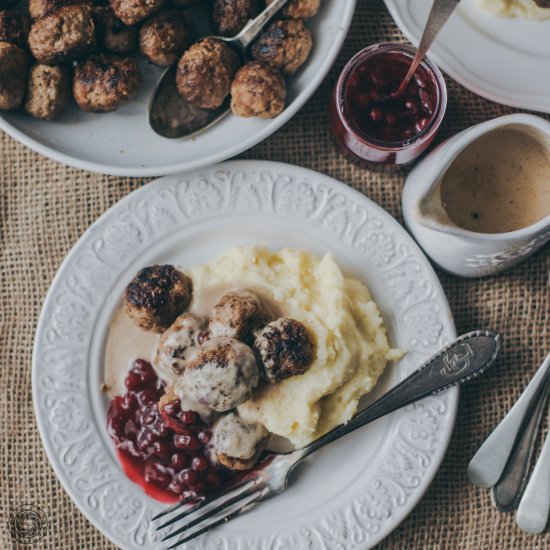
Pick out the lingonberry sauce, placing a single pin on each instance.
(371, 107)
(163, 451)
(376, 129)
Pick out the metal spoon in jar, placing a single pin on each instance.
(171, 115)
(440, 12)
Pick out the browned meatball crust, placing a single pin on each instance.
(13, 75)
(285, 45)
(542, 3)
(300, 9)
(164, 37)
(66, 34)
(284, 349)
(258, 90)
(111, 33)
(237, 315)
(157, 296)
(230, 16)
(134, 11)
(205, 72)
(14, 28)
(48, 91)
(40, 8)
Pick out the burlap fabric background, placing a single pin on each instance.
(45, 207)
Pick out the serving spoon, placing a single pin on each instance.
(440, 12)
(171, 115)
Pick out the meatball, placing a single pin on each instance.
(103, 83)
(14, 28)
(285, 45)
(205, 72)
(66, 34)
(237, 315)
(134, 11)
(230, 16)
(258, 90)
(300, 9)
(284, 349)
(48, 91)
(156, 296)
(164, 37)
(176, 345)
(236, 443)
(40, 8)
(13, 75)
(111, 33)
(222, 373)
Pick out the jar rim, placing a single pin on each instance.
(426, 63)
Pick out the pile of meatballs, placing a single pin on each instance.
(217, 363)
(85, 49)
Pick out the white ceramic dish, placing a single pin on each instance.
(458, 251)
(506, 60)
(349, 495)
(122, 143)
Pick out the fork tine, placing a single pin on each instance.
(244, 507)
(175, 506)
(206, 501)
(216, 506)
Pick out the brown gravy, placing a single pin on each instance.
(499, 183)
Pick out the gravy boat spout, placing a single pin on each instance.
(458, 250)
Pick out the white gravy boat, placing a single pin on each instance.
(457, 250)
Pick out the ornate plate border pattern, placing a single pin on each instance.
(62, 394)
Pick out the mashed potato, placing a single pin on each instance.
(516, 8)
(351, 347)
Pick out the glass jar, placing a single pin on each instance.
(375, 129)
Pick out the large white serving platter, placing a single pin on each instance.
(123, 144)
(503, 59)
(349, 495)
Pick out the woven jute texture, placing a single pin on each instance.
(45, 207)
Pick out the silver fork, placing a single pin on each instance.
(464, 359)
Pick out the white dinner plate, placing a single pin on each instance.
(350, 494)
(503, 59)
(123, 144)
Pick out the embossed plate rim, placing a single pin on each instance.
(225, 177)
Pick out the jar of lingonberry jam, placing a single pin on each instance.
(375, 128)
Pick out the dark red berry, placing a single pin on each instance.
(147, 396)
(187, 417)
(199, 464)
(179, 460)
(162, 449)
(190, 478)
(133, 382)
(376, 114)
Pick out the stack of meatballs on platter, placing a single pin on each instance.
(213, 365)
(86, 49)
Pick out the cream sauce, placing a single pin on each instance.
(126, 342)
(499, 183)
